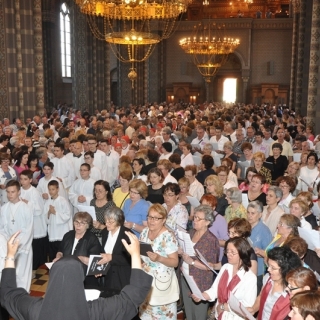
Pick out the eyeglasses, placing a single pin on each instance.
(153, 218)
(232, 234)
(231, 252)
(196, 218)
(284, 186)
(169, 195)
(273, 268)
(281, 224)
(79, 223)
(292, 289)
(110, 221)
(134, 192)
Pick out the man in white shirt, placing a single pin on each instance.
(77, 158)
(220, 140)
(267, 137)
(112, 161)
(258, 145)
(201, 139)
(167, 137)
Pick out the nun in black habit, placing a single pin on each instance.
(65, 297)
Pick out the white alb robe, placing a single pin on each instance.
(42, 187)
(64, 170)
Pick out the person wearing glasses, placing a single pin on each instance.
(274, 300)
(163, 259)
(136, 207)
(177, 212)
(80, 242)
(114, 252)
(288, 186)
(208, 245)
(234, 277)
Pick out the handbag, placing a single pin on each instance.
(164, 288)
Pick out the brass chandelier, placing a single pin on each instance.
(136, 24)
(209, 48)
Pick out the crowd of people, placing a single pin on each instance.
(237, 186)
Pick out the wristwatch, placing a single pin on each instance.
(222, 306)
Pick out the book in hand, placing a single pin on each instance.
(144, 248)
(94, 268)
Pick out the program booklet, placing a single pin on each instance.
(94, 268)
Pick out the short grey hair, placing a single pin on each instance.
(278, 192)
(208, 213)
(116, 214)
(167, 130)
(208, 146)
(256, 205)
(234, 194)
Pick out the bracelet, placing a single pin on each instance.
(133, 226)
(9, 258)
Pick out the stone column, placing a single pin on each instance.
(314, 77)
(107, 75)
(300, 58)
(38, 56)
(245, 81)
(295, 8)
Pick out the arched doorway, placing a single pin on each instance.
(231, 69)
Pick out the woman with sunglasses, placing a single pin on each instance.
(208, 245)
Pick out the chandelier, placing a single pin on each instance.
(209, 48)
(136, 24)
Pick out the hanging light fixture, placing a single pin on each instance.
(209, 48)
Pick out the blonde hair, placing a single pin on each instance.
(140, 186)
(260, 155)
(213, 179)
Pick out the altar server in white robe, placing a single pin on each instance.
(63, 168)
(95, 172)
(31, 196)
(81, 191)
(58, 214)
(16, 215)
(7, 173)
(77, 158)
(42, 187)
(100, 159)
(112, 161)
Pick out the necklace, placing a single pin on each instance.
(154, 238)
(12, 214)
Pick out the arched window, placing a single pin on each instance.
(65, 41)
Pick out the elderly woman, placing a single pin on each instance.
(235, 208)
(219, 225)
(287, 228)
(208, 245)
(272, 212)
(260, 236)
(273, 301)
(309, 175)
(228, 154)
(80, 242)
(7, 173)
(234, 277)
(279, 161)
(222, 173)
(287, 185)
(160, 262)
(255, 192)
(300, 208)
(215, 187)
(119, 259)
(102, 200)
(177, 212)
(155, 188)
(258, 160)
(245, 161)
(136, 207)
